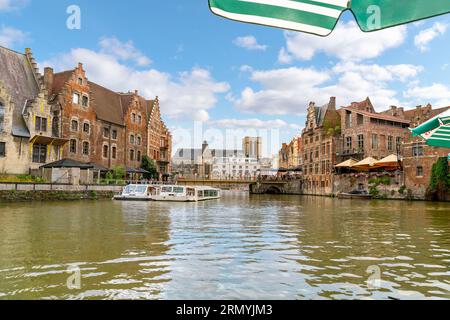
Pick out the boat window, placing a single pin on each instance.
(130, 188)
(141, 189)
(200, 193)
(178, 190)
(166, 189)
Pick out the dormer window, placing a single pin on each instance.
(80, 81)
(76, 98)
(85, 101)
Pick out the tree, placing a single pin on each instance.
(150, 166)
(119, 173)
(440, 182)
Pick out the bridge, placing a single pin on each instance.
(217, 183)
(277, 187)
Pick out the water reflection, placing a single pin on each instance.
(239, 247)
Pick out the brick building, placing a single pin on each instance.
(104, 127)
(366, 133)
(320, 140)
(159, 146)
(419, 158)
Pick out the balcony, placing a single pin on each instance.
(350, 152)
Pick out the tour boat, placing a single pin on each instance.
(185, 193)
(175, 193)
(138, 192)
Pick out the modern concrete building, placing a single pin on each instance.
(234, 168)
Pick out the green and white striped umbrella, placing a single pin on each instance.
(435, 131)
(320, 16)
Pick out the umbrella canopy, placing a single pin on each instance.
(388, 162)
(320, 17)
(435, 131)
(347, 164)
(366, 164)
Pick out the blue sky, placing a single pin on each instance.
(227, 79)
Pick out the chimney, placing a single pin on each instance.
(48, 80)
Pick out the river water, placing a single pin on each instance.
(239, 247)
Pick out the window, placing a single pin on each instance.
(390, 143)
(86, 148)
(131, 155)
(74, 125)
(39, 153)
(348, 143)
(2, 149)
(361, 142)
(2, 115)
(105, 151)
(80, 81)
(85, 101)
(348, 120)
(106, 132)
(139, 141)
(138, 156)
(114, 152)
(114, 134)
(132, 139)
(76, 98)
(417, 150)
(73, 146)
(360, 119)
(86, 128)
(139, 119)
(41, 124)
(133, 117)
(419, 171)
(374, 141)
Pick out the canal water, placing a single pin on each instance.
(239, 247)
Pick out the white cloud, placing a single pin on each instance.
(347, 42)
(9, 37)
(9, 5)
(425, 36)
(188, 94)
(437, 93)
(125, 51)
(289, 90)
(253, 124)
(249, 43)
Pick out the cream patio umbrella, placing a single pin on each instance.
(390, 162)
(366, 164)
(347, 164)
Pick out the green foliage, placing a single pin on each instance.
(119, 173)
(440, 181)
(374, 183)
(21, 178)
(402, 190)
(150, 166)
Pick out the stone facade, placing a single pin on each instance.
(320, 140)
(26, 137)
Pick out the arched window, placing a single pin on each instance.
(2, 115)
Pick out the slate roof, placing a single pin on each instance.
(17, 76)
(107, 104)
(68, 163)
